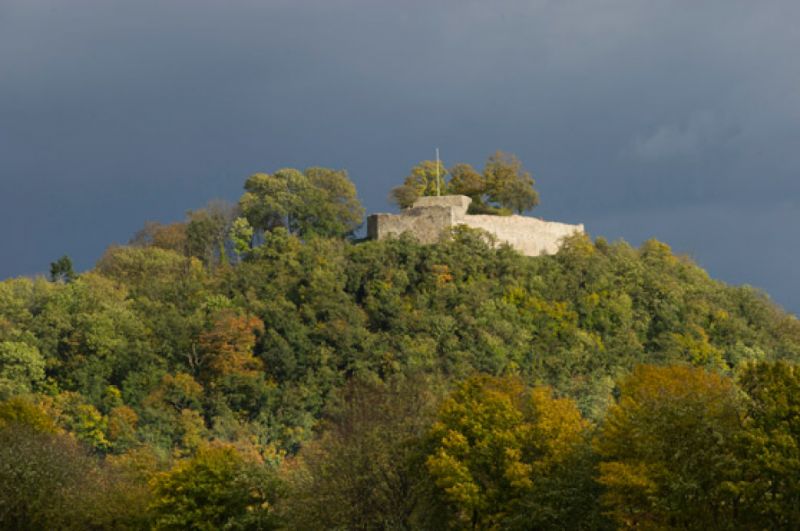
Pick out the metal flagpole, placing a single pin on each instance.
(438, 192)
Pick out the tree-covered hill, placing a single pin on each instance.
(255, 367)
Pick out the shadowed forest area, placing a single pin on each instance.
(256, 367)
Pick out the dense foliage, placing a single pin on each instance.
(251, 368)
(504, 186)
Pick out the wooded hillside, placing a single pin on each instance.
(255, 367)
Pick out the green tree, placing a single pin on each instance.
(218, 488)
(667, 450)
(241, 235)
(770, 481)
(49, 481)
(40, 479)
(82, 420)
(61, 270)
(426, 178)
(207, 231)
(504, 187)
(331, 207)
(465, 180)
(269, 199)
(21, 368)
(91, 337)
(319, 201)
(365, 469)
(508, 184)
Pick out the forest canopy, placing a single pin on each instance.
(256, 367)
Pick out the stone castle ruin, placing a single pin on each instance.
(430, 217)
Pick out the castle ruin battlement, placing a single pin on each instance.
(431, 217)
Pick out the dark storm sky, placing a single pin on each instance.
(678, 120)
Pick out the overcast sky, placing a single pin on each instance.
(678, 120)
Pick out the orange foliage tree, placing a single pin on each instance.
(228, 345)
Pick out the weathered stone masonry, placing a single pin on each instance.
(430, 217)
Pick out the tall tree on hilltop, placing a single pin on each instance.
(331, 207)
(466, 180)
(61, 270)
(207, 230)
(504, 187)
(508, 184)
(319, 201)
(171, 236)
(420, 182)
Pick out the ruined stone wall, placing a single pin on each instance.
(430, 217)
(530, 236)
(426, 223)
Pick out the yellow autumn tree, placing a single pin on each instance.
(217, 488)
(494, 440)
(667, 450)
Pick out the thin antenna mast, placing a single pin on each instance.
(438, 191)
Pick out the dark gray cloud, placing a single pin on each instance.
(671, 119)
